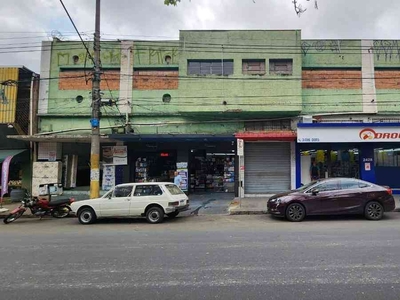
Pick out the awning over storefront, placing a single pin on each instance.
(6, 153)
(273, 135)
(59, 138)
(172, 137)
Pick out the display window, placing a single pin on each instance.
(212, 172)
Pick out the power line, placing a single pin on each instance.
(77, 31)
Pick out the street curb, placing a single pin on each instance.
(235, 209)
(248, 212)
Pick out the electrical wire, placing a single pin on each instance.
(77, 31)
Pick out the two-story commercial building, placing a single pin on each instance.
(182, 102)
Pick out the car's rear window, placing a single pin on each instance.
(173, 189)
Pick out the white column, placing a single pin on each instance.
(45, 65)
(240, 153)
(126, 77)
(292, 165)
(370, 104)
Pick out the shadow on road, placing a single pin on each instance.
(136, 221)
(386, 217)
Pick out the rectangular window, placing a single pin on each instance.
(253, 66)
(280, 66)
(174, 190)
(123, 191)
(147, 190)
(210, 67)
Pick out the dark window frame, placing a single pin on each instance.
(122, 188)
(152, 194)
(276, 66)
(206, 67)
(247, 67)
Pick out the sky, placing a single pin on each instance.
(26, 23)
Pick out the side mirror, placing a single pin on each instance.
(315, 192)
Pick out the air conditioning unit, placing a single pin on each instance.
(306, 119)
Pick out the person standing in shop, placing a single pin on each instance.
(314, 171)
(177, 179)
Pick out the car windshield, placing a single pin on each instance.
(173, 189)
(306, 186)
(108, 194)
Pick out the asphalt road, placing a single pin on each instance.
(202, 257)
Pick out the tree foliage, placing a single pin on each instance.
(171, 2)
(298, 6)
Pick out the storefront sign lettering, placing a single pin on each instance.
(115, 155)
(348, 134)
(370, 134)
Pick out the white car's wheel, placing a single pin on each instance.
(154, 215)
(86, 216)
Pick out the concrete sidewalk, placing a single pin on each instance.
(258, 205)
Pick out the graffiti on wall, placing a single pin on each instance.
(148, 55)
(387, 50)
(108, 57)
(321, 46)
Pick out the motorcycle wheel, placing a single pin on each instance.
(12, 217)
(61, 212)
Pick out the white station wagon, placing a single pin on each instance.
(150, 200)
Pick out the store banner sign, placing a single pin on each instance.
(5, 171)
(348, 134)
(120, 154)
(108, 177)
(182, 169)
(240, 147)
(115, 155)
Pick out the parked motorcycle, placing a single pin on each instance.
(40, 208)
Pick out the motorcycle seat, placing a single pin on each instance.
(59, 201)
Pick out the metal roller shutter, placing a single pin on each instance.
(267, 168)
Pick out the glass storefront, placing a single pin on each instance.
(322, 163)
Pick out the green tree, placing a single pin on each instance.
(298, 7)
(171, 2)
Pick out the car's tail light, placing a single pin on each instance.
(388, 189)
(176, 203)
(71, 200)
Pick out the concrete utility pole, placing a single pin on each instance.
(95, 121)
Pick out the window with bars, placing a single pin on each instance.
(210, 67)
(253, 66)
(280, 66)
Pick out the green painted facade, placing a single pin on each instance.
(331, 55)
(200, 101)
(387, 57)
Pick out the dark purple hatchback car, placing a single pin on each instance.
(333, 197)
